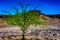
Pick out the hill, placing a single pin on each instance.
(49, 19)
(54, 16)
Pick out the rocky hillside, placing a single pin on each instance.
(49, 19)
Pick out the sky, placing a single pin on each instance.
(47, 7)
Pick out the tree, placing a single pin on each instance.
(23, 19)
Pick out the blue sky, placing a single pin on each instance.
(46, 6)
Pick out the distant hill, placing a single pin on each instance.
(54, 16)
(4, 16)
(49, 19)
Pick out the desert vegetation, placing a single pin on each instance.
(23, 19)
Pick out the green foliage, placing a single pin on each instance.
(23, 19)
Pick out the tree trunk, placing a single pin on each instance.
(23, 37)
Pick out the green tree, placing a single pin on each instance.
(23, 19)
